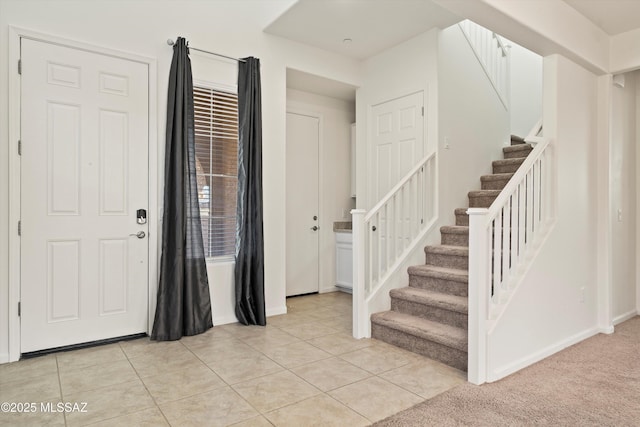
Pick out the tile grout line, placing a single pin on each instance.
(144, 385)
(225, 382)
(64, 414)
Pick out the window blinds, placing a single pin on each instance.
(216, 144)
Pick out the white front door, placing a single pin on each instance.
(397, 132)
(84, 174)
(302, 193)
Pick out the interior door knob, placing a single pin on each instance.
(139, 234)
(314, 228)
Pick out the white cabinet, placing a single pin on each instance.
(344, 261)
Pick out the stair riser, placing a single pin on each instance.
(516, 154)
(436, 314)
(454, 239)
(447, 355)
(505, 168)
(494, 184)
(462, 219)
(447, 260)
(481, 202)
(437, 284)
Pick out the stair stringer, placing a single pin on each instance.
(396, 276)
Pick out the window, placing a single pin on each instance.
(216, 131)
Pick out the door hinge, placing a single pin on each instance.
(19, 66)
(422, 111)
(19, 308)
(19, 228)
(19, 148)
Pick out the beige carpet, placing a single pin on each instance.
(593, 383)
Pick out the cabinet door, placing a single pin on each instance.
(344, 265)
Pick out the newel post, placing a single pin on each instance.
(479, 275)
(360, 317)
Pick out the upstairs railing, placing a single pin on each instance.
(502, 242)
(493, 56)
(384, 236)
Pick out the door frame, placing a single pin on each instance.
(15, 35)
(294, 108)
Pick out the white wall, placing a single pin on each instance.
(525, 104)
(142, 27)
(623, 195)
(471, 118)
(335, 171)
(556, 304)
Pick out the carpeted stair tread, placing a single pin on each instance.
(452, 274)
(507, 165)
(496, 181)
(431, 298)
(447, 250)
(455, 235)
(508, 162)
(484, 193)
(455, 229)
(461, 216)
(496, 177)
(446, 335)
(517, 140)
(482, 198)
(513, 150)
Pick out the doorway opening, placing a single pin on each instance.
(320, 115)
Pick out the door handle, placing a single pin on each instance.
(139, 234)
(314, 228)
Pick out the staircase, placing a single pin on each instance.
(429, 317)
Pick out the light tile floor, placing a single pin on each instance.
(302, 369)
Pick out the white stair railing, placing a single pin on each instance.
(503, 240)
(384, 236)
(493, 56)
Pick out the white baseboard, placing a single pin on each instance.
(277, 310)
(499, 373)
(624, 317)
(329, 289)
(4, 358)
(225, 320)
(608, 330)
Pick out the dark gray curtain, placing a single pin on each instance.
(184, 306)
(249, 269)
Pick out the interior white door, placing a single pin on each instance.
(398, 144)
(397, 133)
(84, 174)
(302, 236)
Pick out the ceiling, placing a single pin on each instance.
(612, 16)
(376, 25)
(371, 25)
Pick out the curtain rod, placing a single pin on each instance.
(171, 43)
